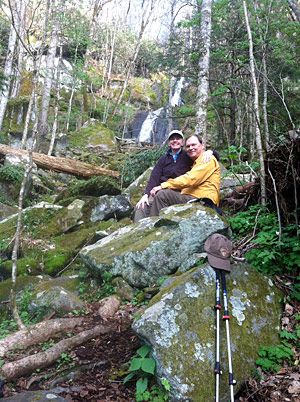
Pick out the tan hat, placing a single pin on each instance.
(178, 132)
(218, 249)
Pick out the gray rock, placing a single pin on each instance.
(62, 142)
(155, 247)
(40, 396)
(123, 289)
(108, 207)
(135, 190)
(55, 298)
(179, 325)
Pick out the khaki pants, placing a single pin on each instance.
(165, 198)
(143, 213)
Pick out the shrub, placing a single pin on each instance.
(139, 163)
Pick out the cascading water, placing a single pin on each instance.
(147, 129)
(154, 127)
(176, 98)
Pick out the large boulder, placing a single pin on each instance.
(55, 298)
(135, 190)
(179, 325)
(108, 207)
(154, 247)
(94, 135)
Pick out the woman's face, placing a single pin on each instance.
(176, 142)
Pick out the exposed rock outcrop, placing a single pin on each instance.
(179, 324)
(155, 247)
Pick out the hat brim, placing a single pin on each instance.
(219, 263)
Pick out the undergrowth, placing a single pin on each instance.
(276, 251)
(139, 163)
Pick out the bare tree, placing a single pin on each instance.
(57, 99)
(203, 75)
(294, 8)
(264, 69)
(49, 73)
(15, 10)
(36, 59)
(130, 68)
(256, 110)
(20, 51)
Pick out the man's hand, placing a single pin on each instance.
(144, 200)
(207, 156)
(155, 190)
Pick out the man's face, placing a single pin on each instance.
(175, 142)
(193, 148)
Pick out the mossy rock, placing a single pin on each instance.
(96, 186)
(21, 282)
(96, 136)
(7, 210)
(65, 247)
(60, 221)
(32, 220)
(26, 265)
(179, 325)
(69, 283)
(136, 189)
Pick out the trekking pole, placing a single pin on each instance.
(217, 308)
(226, 318)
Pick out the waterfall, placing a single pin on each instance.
(176, 98)
(154, 127)
(147, 129)
(20, 115)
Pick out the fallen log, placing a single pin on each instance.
(37, 333)
(40, 360)
(58, 164)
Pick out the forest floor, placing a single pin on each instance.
(102, 363)
(95, 371)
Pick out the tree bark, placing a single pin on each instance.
(144, 23)
(20, 51)
(63, 165)
(37, 333)
(294, 8)
(256, 111)
(203, 75)
(43, 359)
(55, 121)
(50, 68)
(9, 58)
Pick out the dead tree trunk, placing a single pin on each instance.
(256, 112)
(63, 165)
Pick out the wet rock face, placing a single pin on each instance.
(155, 247)
(179, 324)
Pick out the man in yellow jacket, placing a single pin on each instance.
(202, 182)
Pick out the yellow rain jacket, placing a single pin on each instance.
(202, 181)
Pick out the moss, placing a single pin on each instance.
(180, 321)
(26, 265)
(96, 186)
(66, 247)
(95, 135)
(21, 282)
(70, 284)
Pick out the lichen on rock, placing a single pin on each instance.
(179, 325)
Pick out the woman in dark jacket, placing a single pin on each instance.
(174, 163)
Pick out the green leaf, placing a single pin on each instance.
(141, 385)
(128, 377)
(143, 351)
(148, 365)
(136, 364)
(166, 384)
